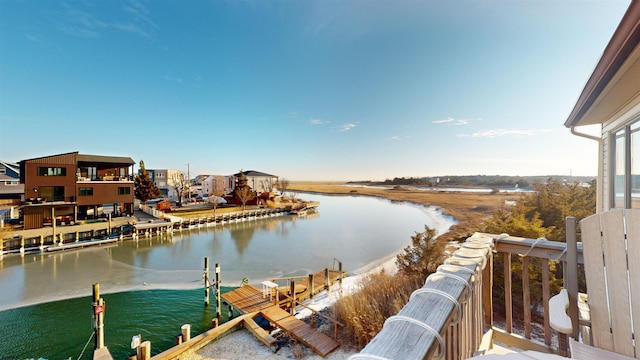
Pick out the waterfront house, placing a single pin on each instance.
(11, 191)
(72, 186)
(165, 180)
(213, 183)
(258, 181)
(452, 315)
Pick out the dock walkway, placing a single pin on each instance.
(320, 343)
(249, 299)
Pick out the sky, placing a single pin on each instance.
(304, 90)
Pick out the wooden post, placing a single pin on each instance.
(98, 315)
(311, 287)
(144, 350)
(108, 224)
(186, 332)
(326, 279)
(214, 323)
(218, 310)
(571, 280)
(507, 293)
(292, 290)
(487, 291)
(526, 297)
(206, 281)
(340, 273)
(53, 224)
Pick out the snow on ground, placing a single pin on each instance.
(243, 345)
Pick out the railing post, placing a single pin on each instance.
(508, 304)
(487, 290)
(292, 290)
(571, 281)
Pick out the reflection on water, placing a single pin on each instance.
(356, 230)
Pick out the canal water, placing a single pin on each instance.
(154, 285)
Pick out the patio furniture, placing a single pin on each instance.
(611, 246)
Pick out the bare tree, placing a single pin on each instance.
(283, 185)
(215, 198)
(180, 185)
(245, 194)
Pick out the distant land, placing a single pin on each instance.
(484, 181)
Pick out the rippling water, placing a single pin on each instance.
(153, 286)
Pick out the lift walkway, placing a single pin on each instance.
(320, 343)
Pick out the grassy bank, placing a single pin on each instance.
(469, 209)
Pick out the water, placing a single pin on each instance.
(360, 231)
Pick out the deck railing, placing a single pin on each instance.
(452, 315)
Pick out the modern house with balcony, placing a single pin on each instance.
(453, 315)
(75, 186)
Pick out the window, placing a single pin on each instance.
(625, 167)
(122, 190)
(3, 170)
(11, 182)
(160, 175)
(52, 171)
(86, 191)
(51, 193)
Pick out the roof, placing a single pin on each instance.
(14, 167)
(614, 84)
(106, 159)
(92, 158)
(254, 174)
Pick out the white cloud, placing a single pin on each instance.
(318, 122)
(131, 28)
(503, 132)
(399, 138)
(347, 126)
(33, 38)
(452, 121)
(171, 78)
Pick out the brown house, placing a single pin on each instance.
(73, 186)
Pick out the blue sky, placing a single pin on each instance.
(307, 90)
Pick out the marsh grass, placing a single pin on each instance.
(381, 295)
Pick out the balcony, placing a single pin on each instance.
(455, 314)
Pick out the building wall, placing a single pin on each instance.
(607, 153)
(34, 181)
(105, 192)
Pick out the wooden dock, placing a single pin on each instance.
(269, 303)
(320, 343)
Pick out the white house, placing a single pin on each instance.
(258, 181)
(611, 98)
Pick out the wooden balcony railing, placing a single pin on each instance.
(452, 315)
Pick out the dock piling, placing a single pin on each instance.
(218, 311)
(206, 281)
(98, 316)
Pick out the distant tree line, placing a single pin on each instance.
(491, 181)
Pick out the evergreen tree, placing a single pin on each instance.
(243, 191)
(143, 188)
(423, 256)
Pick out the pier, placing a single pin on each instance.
(273, 301)
(78, 236)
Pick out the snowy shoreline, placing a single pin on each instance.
(242, 344)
